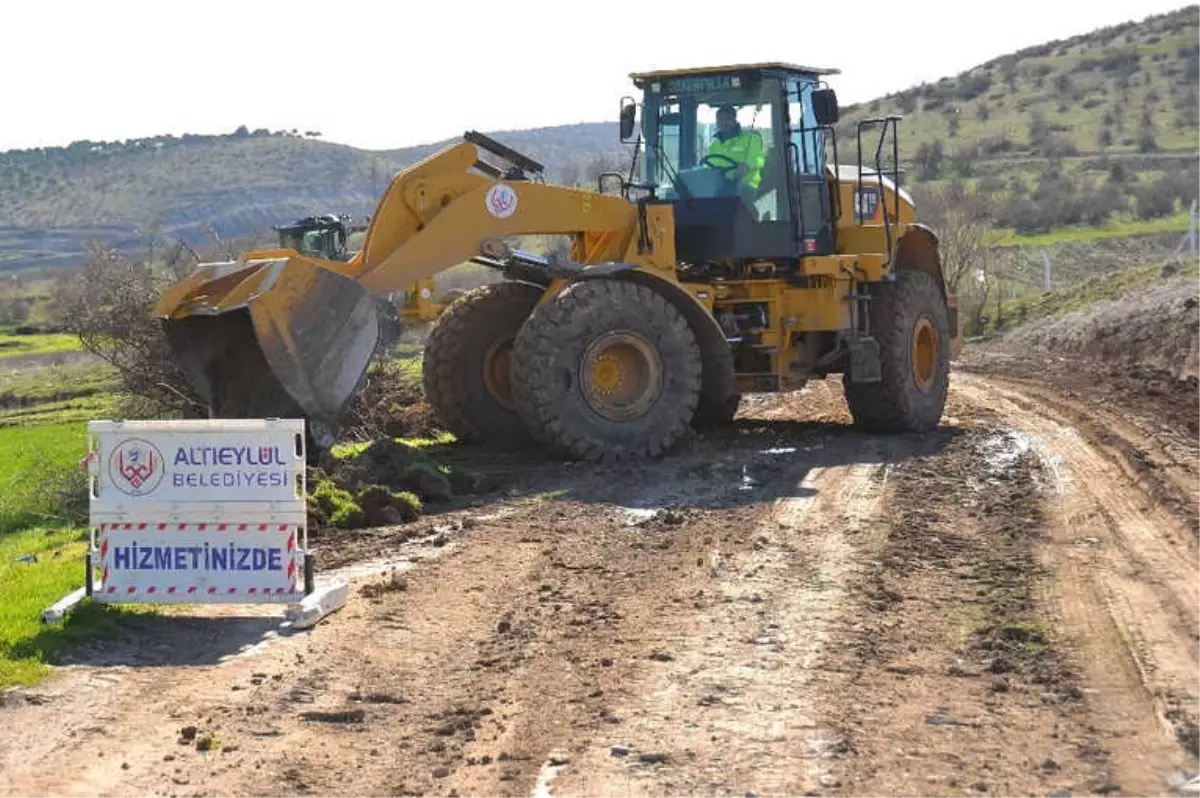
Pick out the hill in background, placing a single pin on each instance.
(1071, 132)
(53, 200)
(1068, 132)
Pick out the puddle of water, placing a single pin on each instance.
(1001, 451)
(1004, 449)
(547, 773)
(748, 482)
(636, 516)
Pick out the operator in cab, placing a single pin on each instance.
(745, 147)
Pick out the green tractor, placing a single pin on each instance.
(326, 236)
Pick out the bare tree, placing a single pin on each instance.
(962, 221)
(13, 307)
(108, 304)
(995, 273)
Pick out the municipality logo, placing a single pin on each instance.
(136, 466)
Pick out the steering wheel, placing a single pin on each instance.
(727, 172)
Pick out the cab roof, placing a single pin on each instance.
(713, 70)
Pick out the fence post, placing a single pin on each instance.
(1045, 270)
(1193, 223)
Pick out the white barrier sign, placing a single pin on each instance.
(172, 462)
(199, 562)
(198, 511)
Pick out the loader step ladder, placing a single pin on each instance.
(886, 122)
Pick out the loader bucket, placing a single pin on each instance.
(280, 338)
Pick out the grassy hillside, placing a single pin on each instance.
(51, 201)
(1070, 132)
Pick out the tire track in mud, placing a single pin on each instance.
(948, 678)
(1157, 452)
(732, 710)
(1115, 550)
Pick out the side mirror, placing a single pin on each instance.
(825, 106)
(628, 117)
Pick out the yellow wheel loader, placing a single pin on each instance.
(696, 278)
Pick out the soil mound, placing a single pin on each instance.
(385, 484)
(1152, 329)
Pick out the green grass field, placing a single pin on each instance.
(39, 344)
(1115, 229)
(38, 461)
(55, 393)
(27, 646)
(41, 550)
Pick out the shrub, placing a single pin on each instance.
(1022, 214)
(1155, 200)
(1038, 130)
(929, 160)
(1120, 62)
(972, 85)
(996, 145)
(1101, 204)
(1057, 146)
(1191, 69)
(108, 304)
(1147, 134)
(337, 505)
(989, 186)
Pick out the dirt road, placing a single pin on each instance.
(1005, 607)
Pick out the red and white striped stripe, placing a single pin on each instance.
(161, 527)
(193, 589)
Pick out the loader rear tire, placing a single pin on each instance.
(466, 366)
(909, 320)
(720, 402)
(607, 371)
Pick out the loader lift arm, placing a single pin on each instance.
(278, 333)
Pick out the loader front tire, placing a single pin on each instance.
(466, 366)
(909, 320)
(607, 371)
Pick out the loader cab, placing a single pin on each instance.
(780, 209)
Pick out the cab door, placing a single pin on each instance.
(814, 222)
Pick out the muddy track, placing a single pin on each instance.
(1126, 571)
(784, 607)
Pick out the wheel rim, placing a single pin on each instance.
(621, 375)
(924, 353)
(497, 373)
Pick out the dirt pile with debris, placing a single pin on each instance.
(385, 484)
(390, 402)
(1153, 329)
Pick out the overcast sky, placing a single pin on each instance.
(391, 74)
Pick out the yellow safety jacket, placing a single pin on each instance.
(746, 147)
